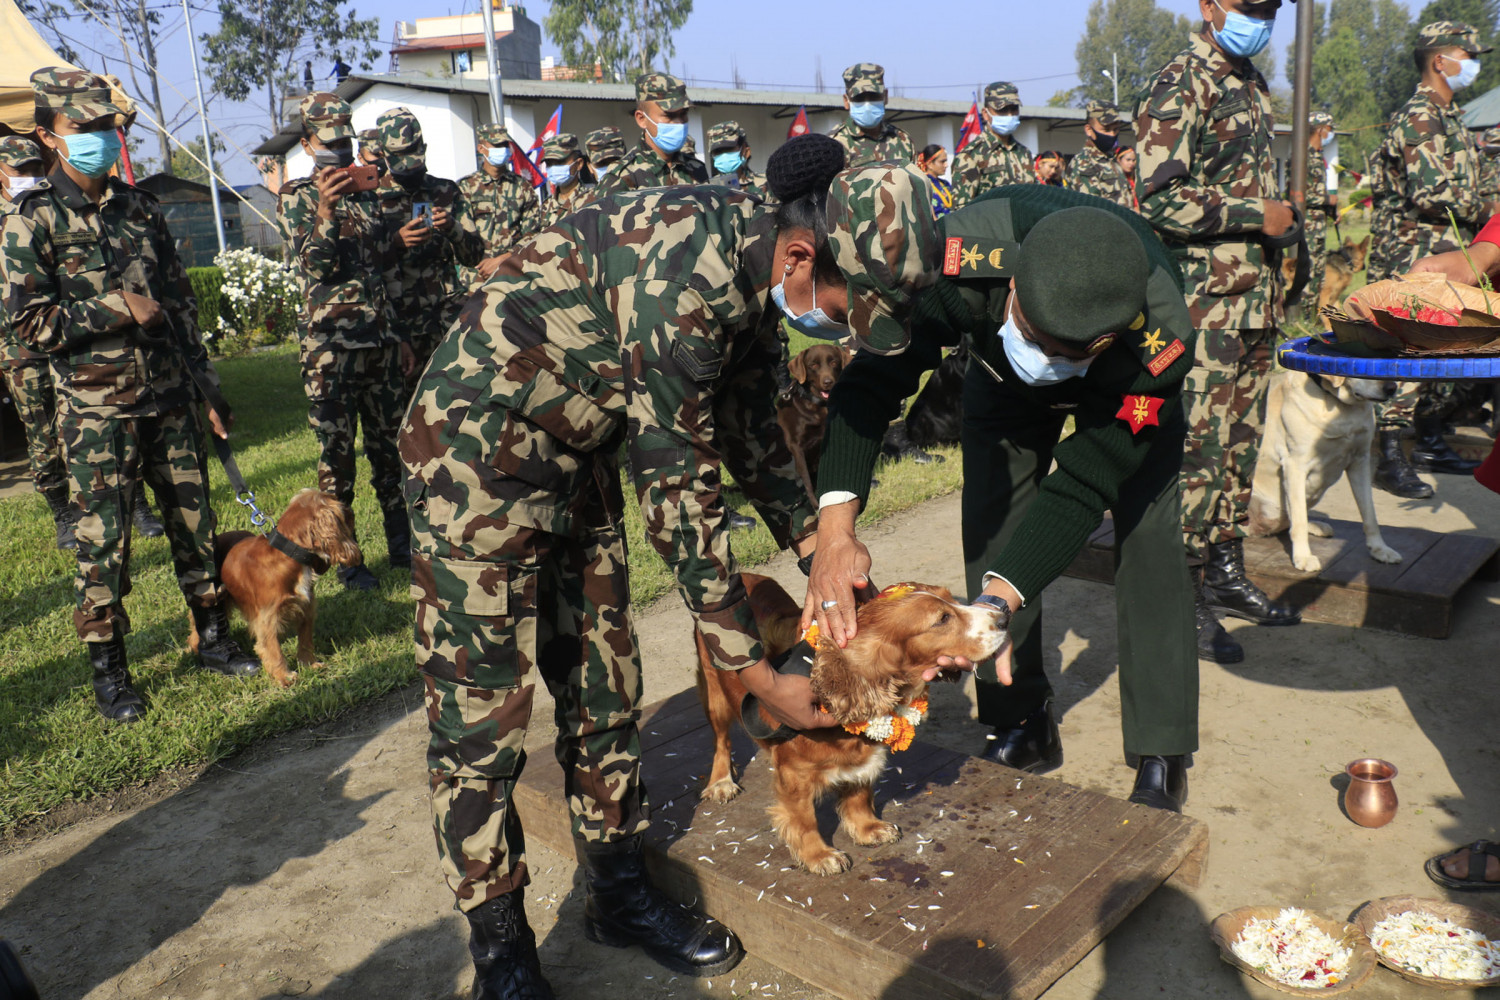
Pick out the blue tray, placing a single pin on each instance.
(1314, 356)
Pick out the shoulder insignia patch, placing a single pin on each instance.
(1153, 348)
(970, 257)
(1140, 411)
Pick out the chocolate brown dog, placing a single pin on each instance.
(802, 410)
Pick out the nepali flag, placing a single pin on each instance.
(523, 168)
(554, 126)
(125, 158)
(799, 124)
(971, 127)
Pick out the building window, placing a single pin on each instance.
(460, 62)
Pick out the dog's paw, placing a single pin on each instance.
(1384, 553)
(827, 862)
(1308, 563)
(1320, 528)
(876, 833)
(311, 664)
(286, 678)
(722, 791)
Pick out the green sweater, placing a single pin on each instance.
(1105, 448)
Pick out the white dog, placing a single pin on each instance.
(1318, 427)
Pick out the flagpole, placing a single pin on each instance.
(208, 144)
(492, 62)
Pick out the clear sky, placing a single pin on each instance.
(941, 50)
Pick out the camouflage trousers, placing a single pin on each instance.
(36, 404)
(1225, 396)
(347, 388)
(528, 603)
(109, 458)
(1317, 261)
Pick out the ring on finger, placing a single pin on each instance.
(829, 605)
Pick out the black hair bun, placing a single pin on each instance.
(804, 165)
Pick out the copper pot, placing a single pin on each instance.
(1370, 799)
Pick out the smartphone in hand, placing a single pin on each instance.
(366, 176)
(422, 210)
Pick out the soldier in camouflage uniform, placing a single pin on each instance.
(604, 147)
(566, 172)
(370, 153)
(730, 152)
(1094, 170)
(865, 135)
(1427, 166)
(1322, 205)
(348, 260)
(661, 108)
(27, 372)
(505, 207)
(1208, 187)
(646, 321)
(993, 158)
(92, 279)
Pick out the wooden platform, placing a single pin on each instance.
(1001, 883)
(1414, 596)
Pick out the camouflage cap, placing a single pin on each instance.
(1490, 139)
(1001, 95)
(1317, 119)
(884, 240)
(401, 138)
(1448, 34)
(663, 88)
(368, 136)
(493, 134)
(864, 79)
(604, 145)
(560, 148)
(326, 116)
(77, 95)
(17, 151)
(725, 135)
(1103, 113)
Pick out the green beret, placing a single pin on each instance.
(1081, 273)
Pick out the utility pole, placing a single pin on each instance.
(208, 143)
(492, 62)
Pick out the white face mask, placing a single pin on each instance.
(15, 185)
(1034, 365)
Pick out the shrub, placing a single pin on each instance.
(261, 301)
(208, 289)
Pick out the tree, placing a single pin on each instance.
(1143, 37)
(260, 44)
(625, 37)
(185, 160)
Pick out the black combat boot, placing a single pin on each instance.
(506, 966)
(1161, 782)
(1394, 473)
(63, 515)
(624, 908)
(217, 650)
(397, 537)
(1214, 641)
(113, 695)
(1035, 745)
(1229, 590)
(357, 577)
(147, 523)
(1431, 453)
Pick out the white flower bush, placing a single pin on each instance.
(262, 295)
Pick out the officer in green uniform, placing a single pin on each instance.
(354, 353)
(605, 148)
(729, 152)
(92, 279)
(504, 207)
(1096, 330)
(567, 172)
(659, 160)
(865, 135)
(1322, 205)
(993, 158)
(647, 321)
(1094, 170)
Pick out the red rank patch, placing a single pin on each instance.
(1140, 411)
(952, 252)
(1163, 361)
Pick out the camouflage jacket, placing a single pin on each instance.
(1205, 165)
(505, 209)
(643, 167)
(1426, 164)
(1489, 172)
(746, 180)
(892, 144)
(430, 287)
(646, 318)
(991, 160)
(13, 353)
(66, 264)
(560, 206)
(346, 265)
(1091, 172)
(1317, 185)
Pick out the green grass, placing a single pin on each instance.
(55, 747)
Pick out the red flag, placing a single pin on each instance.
(971, 127)
(554, 126)
(125, 158)
(799, 124)
(524, 168)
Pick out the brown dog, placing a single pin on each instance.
(881, 669)
(802, 410)
(1338, 270)
(273, 587)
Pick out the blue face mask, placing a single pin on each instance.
(669, 135)
(1005, 124)
(867, 114)
(1468, 71)
(1243, 36)
(728, 163)
(497, 156)
(1032, 364)
(92, 153)
(815, 322)
(560, 175)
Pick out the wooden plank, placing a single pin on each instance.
(973, 865)
(1451, 562)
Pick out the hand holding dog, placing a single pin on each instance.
(840, 564)
(788, 697)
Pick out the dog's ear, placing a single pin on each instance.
(332, 531)
(860, 681)
(797, 368)
(1364, 244)
(844, 356)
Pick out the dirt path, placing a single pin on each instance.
(306, 868)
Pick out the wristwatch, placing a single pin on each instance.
(805, 564)
(997, 603)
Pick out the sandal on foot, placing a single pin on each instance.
(1479, 854)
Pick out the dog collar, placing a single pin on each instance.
(295, 552)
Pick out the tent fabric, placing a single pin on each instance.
(22, 52)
